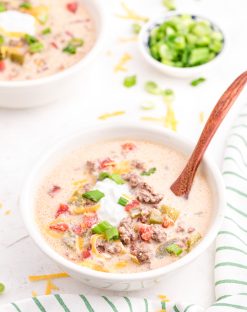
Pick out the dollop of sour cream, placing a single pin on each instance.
(17, 22)
(109, 209)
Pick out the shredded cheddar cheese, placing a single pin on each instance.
(170, 119)
(93, 242)
(130, 14)
(155, 119)
(121, 264)
(114, 114)
(54, 234)
(35, 278)
(163, 298)
(79, 244)
(93, 265)
(122, 167)
(81, 210)
(49, 287)
(122, 62)
(34, 294)
(134, 259)
(80, 182)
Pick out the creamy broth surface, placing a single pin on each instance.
(48, 37)
(150, 242)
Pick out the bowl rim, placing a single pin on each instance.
(101, 10)
(38, 238)
(164, 17)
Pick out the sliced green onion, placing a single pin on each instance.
(26, 5)
(101, 227)
(122, 201)
(130, 81)
(149, 172)
(198, 81)
(168, 95)
(46, 31)
(94, 195)
(117, 178)
(174, 249)
(36, 47)
(152, 87)
(147, 106)
(106, 228)
(2, 288)
(136, 28)
(112, 233)
(113, 176)
(169, 4)
(2, 7)
(30, 39)
(70, 49)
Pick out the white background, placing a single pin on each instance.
(25, 134)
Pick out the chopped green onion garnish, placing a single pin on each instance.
(174, 249)
(113, 176)
(94, 195)
(70, 49)
(169, 4)
(168, 95)
(168, 92)
(2, 7)
(149, 172)
(76, 42)
(101, 227)
(112, 233)
(198, 81)
(136, 28)
(106, 228)
(123, 201)
(30, 39)
(1, 40)
(130, 81)
(26, 5)
(184, 41)
(147, 105)
(152, 87)
(36, 47)
(2, 288)
(46, 31)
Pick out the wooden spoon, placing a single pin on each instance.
(183, 184)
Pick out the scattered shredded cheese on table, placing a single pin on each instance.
(123, 60)
(132, 15)
(109, 115)
(49, 287)
(35, 278)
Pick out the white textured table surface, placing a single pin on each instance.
(25, 134)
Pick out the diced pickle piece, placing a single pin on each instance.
(156, 217)
(161, 250)
(171, 212)
(193, 240)
(17, 58)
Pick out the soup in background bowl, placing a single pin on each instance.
(100, 205)
(46, 48)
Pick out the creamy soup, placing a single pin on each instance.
(109, 207)
(39, 38)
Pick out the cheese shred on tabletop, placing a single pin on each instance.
(131, 14)
(49, 287)
(109, 115)
(35, 278)
(123, 60)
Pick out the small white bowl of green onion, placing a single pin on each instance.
(181, 45)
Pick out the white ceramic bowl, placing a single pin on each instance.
(29, 93)
(173, 71)
(119, 281)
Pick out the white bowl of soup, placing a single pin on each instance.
(99, 204)
(46, 47)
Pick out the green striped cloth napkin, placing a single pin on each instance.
(231, 253)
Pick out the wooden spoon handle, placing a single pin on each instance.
(182, 185)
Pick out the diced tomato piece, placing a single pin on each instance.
(54, 45)
(106, 163)
(133, 204)
(2, 66)
(90, 220)
(72, 7)
(128, 147)
(167, 222)
(61, 227)
(62, 209)
(78, 229)
(86, 254)
(54, 190)
(146, 232)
